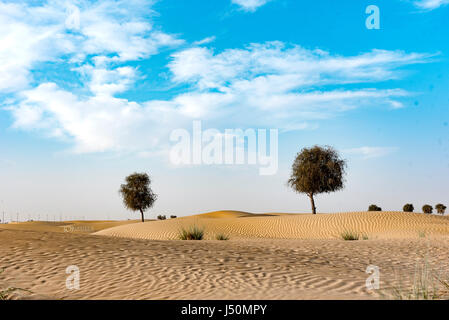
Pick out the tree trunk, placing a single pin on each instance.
(141, 212)
(312, 202)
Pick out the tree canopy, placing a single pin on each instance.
(441, 208)
(137, 194)
(317, 170)
(427, 208)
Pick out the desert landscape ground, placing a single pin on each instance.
(267, 256)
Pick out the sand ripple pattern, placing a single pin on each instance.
(120, 268)
(242, 225)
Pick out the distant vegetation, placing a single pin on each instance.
(408, 207)
(222, 236)
(137, 194)
(350, 235)
(373, 207)
(193, 233)
(5, 294)
(441, 208)
(172, 217)
(428, 284)
(317, 170)
(427, 208)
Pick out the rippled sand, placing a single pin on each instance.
(249, 266)
(242, 225)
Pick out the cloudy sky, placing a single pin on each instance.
(91, 90)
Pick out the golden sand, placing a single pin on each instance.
(77, 226)
(243, 225)
(255, 264)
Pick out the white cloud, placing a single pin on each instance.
(285, 86)
(371, 152)
(430, 4)
(204, 41)
(294, 67)
(262, 85)
(396, 104)
(250, 5)
(31, 34)
(103, 80)
(95, 124)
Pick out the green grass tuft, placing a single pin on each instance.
(427, 285)
(349, 235)
(222, 236)
(193, 233)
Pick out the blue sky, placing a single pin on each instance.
(90, 91)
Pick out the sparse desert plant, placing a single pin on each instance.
(317, 170)
(427, 208)
(408, 207)
(222, 236)
(137, 194)
(441, 208)
(173, 217)
(427, 285)
(350, 235)
(161, 217)
(5, 294)
(374, 207)
(192, 233)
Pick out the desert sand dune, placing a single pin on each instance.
(269, 256)
(76, 226)
(120, 268)
(244, 225)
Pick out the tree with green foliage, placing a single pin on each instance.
(441, 208)
(427, 208)
(317, 170)
(374, 207)
(137, 194)
(408, 207)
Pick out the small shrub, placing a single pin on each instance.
(193, 233)
(408, 207)
(349, 235)
(172, 217)
(161, 217)
(373, 207)
(427, 209)
(222, 236)
(427, 285)
(5, 294)
(441, 208)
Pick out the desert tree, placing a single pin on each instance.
(427, 209)
(317, 170)
(374, 207)
(441, 208)
(408, 207)
(137, 194)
